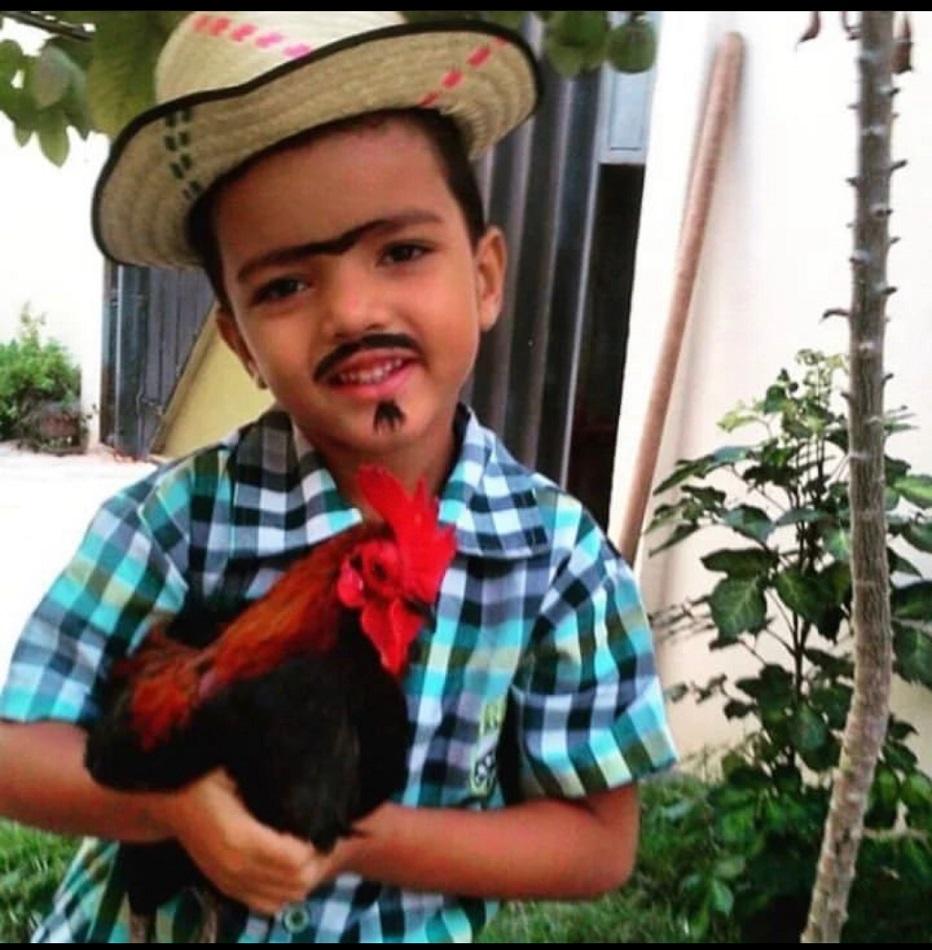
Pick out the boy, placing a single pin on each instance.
(344, 237)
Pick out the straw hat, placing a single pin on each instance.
(233, 84)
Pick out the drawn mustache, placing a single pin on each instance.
(374, 341)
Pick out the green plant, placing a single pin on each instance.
(32, 864)
(792, 586)
(33, 372)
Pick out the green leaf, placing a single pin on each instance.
(53, 136)
(80, 52)
(710, 498)
(749, 521)
(676, 692)
(886, 788)
(832, 666)
(737, 710)
(838, 578)
(632, 47)
(897, 729)
(800, 516)
(912, 602)
(721, 897)
(743, 562)
(838, 544)
(18, 106)
(805, 594)
(899, 565)
(916, 791)
(899, 756)
(682, 531)
(787, 779)
(120, 78)
(663, 514)
(678, 810)
(12, 60)
(575, 40)
(510, 19)
(912, 648)
(50, 77)
(699, 923)
(824, 757)
(882, 803)
(684, 469)
(729, 454)
(775, 399)
(737, 417)
(919, 535)
(75, 106)
(773, 689)
(737, 826)
(808, 730)
(729, 868)
(746, 777)
(737, 604)
(21, 135)
(833, 702)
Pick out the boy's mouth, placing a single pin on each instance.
(372, 376)
(375, 371)
(367, 354)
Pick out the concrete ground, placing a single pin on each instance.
(46, 503)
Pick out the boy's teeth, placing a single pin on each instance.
(369, 376)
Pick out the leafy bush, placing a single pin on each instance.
(792, 586)
(33, 372)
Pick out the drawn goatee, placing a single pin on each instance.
(388, 415)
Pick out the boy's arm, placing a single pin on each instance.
(545, 848)
(43, 783)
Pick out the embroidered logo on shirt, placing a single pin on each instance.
(483, 762)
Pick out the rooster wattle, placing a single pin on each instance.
(298, 698)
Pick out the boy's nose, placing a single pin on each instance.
(351, 306)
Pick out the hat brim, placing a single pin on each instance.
(483, 76)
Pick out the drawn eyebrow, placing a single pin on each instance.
(337, 245)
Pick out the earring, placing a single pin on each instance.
(257, 378)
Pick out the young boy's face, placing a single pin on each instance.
(337, 242)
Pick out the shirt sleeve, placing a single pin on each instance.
(588, 705)
(127, 573)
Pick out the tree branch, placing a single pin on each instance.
(49, 24)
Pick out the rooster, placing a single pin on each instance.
(298, 698)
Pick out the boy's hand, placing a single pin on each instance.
(246, 860)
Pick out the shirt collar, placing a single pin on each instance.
(285, 500)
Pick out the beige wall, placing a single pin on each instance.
(775, 258)
(213, 397)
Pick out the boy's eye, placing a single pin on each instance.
(279, 289)
(404, 253)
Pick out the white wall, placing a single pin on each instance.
(775, 258)
(47, 254)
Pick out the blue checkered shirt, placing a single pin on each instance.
(537, 611)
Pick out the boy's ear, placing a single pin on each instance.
(226, 324)
(491, 262)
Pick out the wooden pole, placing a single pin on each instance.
(719, 106)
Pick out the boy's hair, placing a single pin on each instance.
(439, 130)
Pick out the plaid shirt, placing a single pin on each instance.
(536, 609)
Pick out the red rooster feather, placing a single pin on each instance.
(298, 697)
